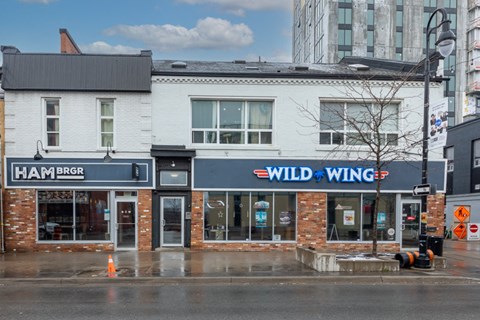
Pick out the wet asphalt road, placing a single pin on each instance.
(319, 301)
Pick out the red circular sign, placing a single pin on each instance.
(473, 228)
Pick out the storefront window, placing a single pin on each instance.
(250, 216)
(215, 218)
(284, 216)
(261, 217)
(385, 217)
(238, 216)
(343, 217)
(73, 216)
(350, 217)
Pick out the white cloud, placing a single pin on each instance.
(238, 7)
(209, 33)
(38, 1)
(105, 48)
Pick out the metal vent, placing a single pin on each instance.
(179, 65)
(359, 67)
(300, 68)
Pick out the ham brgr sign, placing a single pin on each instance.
(331, 174)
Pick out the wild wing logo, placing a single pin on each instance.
(332, 174)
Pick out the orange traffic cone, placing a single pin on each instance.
(112, 273)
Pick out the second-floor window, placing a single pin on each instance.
(107, 114)
(232, 122)
(449, 155)
(355, 124)
(476, 153)
(52, 122)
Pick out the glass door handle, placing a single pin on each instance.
(163, 222)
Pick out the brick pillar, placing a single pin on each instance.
(19, 219)
(197, 221)
(144, 220)
(436, 213)
(311, 219)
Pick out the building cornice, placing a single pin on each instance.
(276, 81)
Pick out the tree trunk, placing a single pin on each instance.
(375, 209)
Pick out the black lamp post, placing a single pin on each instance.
(445, 44)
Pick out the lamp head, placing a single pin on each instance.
(446, 40)
(107, 157)
(38, 156)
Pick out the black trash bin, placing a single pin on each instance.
(435, 244)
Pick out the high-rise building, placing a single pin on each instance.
(325, 31)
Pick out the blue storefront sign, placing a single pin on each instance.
(79, 173)
(252, 174)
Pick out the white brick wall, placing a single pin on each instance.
(293, 138)
(78, 123)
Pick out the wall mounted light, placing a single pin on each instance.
(135, 171)
(38, 156)
(107, 157)
(172, 164)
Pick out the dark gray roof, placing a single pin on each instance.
(280, 70)
(76, 72)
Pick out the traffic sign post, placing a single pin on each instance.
(460, 230)
(473, 231)
(423, 190)
(462, 213)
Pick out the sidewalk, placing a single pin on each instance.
(169, 266)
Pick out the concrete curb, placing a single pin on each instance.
(151, 281)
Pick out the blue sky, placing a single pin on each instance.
(220, 30)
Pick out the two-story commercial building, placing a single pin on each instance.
(258, 173)
(119, 152)
(77, 169)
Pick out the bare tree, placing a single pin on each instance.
(370, 122)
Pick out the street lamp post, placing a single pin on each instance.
(445, 44)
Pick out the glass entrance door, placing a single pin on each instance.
(410, 224)
(172, 211)
(126, 226)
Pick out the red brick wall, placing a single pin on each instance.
(20, 225)
(19, 219)
(66, 45)
(144, 220)
(436, 213)
(311, 219)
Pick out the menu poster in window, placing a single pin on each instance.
(349, 217)
(381, 219)
(261, 213)
(261, 218)
(106, 214)
(285, 218)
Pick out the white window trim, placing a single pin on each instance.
(44, 123)
(345, 130)
(245, 130)
(476, 160)
(99, 123)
